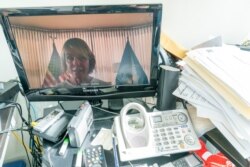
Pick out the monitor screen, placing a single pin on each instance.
(61, 49)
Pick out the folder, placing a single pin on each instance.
(171, 46)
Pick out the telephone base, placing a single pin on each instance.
(183, 141)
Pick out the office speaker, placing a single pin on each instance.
(168, 82)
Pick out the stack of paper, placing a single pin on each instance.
(215, 81)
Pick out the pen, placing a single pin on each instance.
(115, 152)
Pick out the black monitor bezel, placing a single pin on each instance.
(44, 94)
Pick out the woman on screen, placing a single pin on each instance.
(78, 62)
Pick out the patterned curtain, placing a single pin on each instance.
(36, 47)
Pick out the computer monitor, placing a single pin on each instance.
(85, 52)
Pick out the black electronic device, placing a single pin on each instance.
(124, 40)
(168, 82)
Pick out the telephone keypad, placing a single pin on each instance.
(173, 138)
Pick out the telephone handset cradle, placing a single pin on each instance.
(135, 128)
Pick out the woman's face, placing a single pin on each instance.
(77, 65)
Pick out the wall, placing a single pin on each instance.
(193, 21)
(7, 68)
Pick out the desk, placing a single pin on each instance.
(52, 157)
(214, 136)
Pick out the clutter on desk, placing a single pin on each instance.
(215, 81)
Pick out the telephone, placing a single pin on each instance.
(144, 135)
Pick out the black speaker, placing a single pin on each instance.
(168, 82)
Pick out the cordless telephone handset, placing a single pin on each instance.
(144, 135)
(135, 127)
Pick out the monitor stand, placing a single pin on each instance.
(115, 104)
(71, 106)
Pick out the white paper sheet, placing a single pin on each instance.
(229, 64)
(104, 138)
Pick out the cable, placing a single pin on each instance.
(34, 144)
(34, 111)
(19, 109)
(184, 103)
(60, 104)
(136, 99)
(19, 84)
(130, 164)
(36, 150)
(107, 111)
(104, 118)
(55, 145)
(20, 140)
(28, 123)
(10, 130)
(18, 106)
(25, 148)
(25, 97)
(161, 56)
